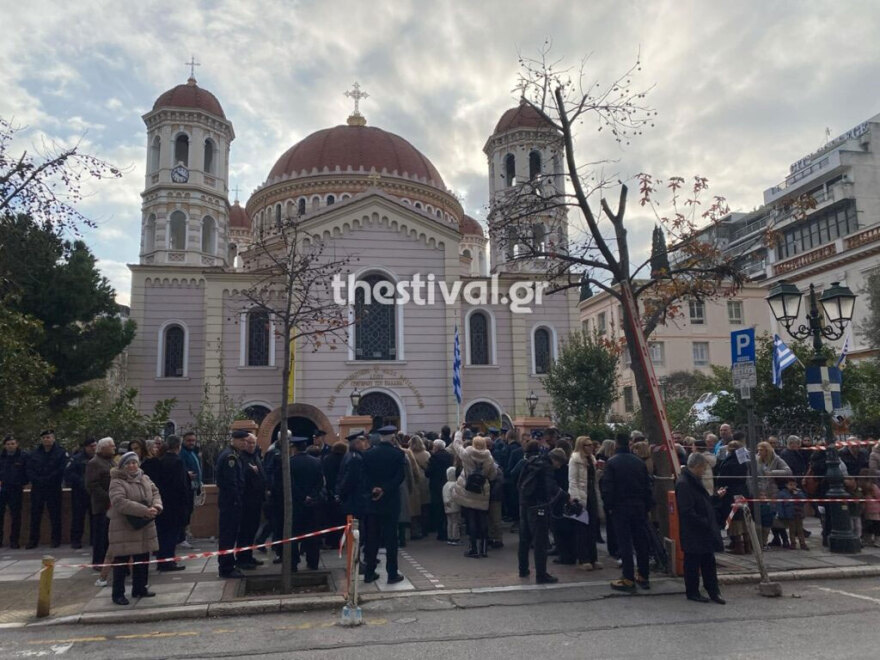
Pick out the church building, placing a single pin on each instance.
(365, 192)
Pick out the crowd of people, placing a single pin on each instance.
(459, 488)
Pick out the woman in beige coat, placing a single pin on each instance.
(133, 497)
(474, 505)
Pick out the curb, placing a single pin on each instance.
(313, 603)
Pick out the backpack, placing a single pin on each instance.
(476, 480)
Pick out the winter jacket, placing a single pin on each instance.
(795, 460)
(698, 527)
(438, 464)
(872, 509)
(790, 506)
(536, 483)
(855, 463)
(13, 469)
(191, 461)
(514, 456)
(450, 504)
(626, 482)
(97, 480)
(351, 488)
(45, 469)
(132, 496)
(421, 458)
(776, 468)
(75, 472)
(384, 467)
(169, 476)
(473, 459)
(578, 478)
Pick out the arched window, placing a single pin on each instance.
(301, 206)
(258, 338)
(177, 231)
(542, 348)
(174, 345)
(256, 412)
(418, 205)
(209, 156)
(478, 335)
(375, 327)
(510, 169)
(483, 414)
(330, 200)
(209, 235)
(466, 253)
(150, 234)
(181, 149)
(534, 164)
(539, 237)
(288, 209)
(379, 406)
(316, 202)
(156, 154)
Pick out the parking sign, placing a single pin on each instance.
(742, 346)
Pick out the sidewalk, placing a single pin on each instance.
(428, 565)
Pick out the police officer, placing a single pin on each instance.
(252, 502)
(13, 477)
(229, 474)
(45, 471)
(307, 495)
(384, 471)
(74, 478)
(318, 441)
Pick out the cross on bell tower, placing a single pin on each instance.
(356, 118)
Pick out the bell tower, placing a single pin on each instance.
(185, 212)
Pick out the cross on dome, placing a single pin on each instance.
(235, 190)
(192, 64)
(356, 118)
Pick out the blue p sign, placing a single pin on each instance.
(742, 346)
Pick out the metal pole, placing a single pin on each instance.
(752, 443)
(766, 587)
(44, 594)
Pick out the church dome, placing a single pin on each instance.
(190, 95)
(470, 226)
(522, 116)
(238, 217)
(356, 147)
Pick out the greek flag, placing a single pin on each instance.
(841, 361)
(456, 368)
(782, 359)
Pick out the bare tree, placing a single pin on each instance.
(46, 185)
(292, 277)
(579, 239)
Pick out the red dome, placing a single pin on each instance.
(356, 147)
(470, 226)
(238, 217)
(522, 116)
(190, 95)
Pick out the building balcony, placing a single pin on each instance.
(821, 167)
(805, 259)
(863, 237)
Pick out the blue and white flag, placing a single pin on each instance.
(456, 368)
(783, 357)
(841, 361)
(823, 388)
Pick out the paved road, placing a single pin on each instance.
(813, 619)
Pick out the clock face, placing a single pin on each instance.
(180, 174)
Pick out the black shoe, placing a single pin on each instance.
(232, 575)
(371, 577)
(546, 579)
(76, 546)
(524, 574)
(277, 560)
(143, 594)
(246, 566)
(643, 583)
(716, 598)
(121, 600)
(170, 568)
(30, 546)
(699, 598)
(394, 579)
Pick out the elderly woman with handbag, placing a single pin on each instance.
(134, 505)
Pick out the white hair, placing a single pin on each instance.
(696, 460)
(439, 444)
(105, 442)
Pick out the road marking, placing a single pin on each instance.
(100, 638)
(153, 635)
(851, 595)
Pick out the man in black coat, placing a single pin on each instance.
(732, 475)
(626, 491)
(384, 471)
(440, 460)
(514, 455)
(13, 477)
(307, 493)
(229, 475)
(351, 488)
(45, 471)
(793, 457)
(75, 479)
(537, 490)
(170, 476)
(699, 535)
(252, 499)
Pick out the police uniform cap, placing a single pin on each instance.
(537, 434)
(298, 440)
(318, 433)
(43, 434)
(354, 436)
(238, 434)
(493, 429)
(387, 430)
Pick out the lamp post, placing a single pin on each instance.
(532, 401)
(837, 307)
(355, 398)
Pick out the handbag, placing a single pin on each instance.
(137, 522)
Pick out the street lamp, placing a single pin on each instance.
(837, 307)
(355, 398)
(532, 400)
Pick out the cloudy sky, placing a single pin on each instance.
(742, 89)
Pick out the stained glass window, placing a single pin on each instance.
(379, 404)
(174, 339)
(374, 322)
(542, 351)
(258, 339)
(479, 338)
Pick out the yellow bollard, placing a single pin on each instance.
(44, 596)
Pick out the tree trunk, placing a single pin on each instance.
(284, 455)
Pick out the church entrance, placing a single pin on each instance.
(302, 420)
(301, 427)
(481, 415)
(381, 407)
